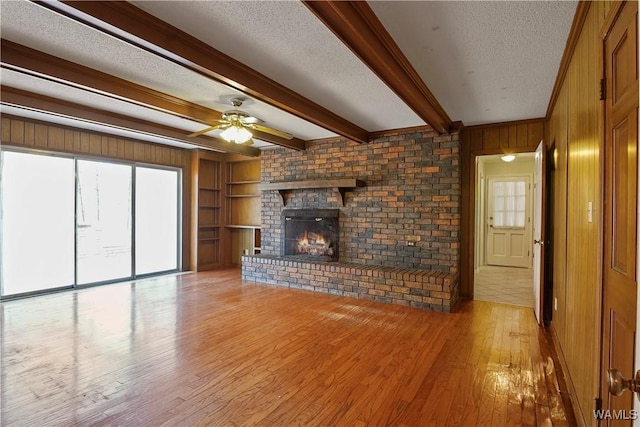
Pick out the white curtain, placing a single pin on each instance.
(509, 201)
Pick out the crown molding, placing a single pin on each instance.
(572, 41)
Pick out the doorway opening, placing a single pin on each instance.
(504, 213)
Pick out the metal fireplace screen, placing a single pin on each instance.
(311, 234)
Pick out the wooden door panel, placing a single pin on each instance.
(517, 245)
(622, 69)
(624, 191)
(623, 48)
(499, 244)
(622, 336)
(620, 208)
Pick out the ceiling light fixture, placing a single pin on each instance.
(508, 158)
(236, 133)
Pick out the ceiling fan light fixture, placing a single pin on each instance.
(237, 134)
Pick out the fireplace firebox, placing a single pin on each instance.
(311, 234)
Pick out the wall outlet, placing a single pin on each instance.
(590, 212)
(412, 240)
(555, 304)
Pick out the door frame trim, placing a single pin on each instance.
(468, 214)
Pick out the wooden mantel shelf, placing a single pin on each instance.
(343, 185)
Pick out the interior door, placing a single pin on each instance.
(538, 232)
(620, 208)
(508, 226)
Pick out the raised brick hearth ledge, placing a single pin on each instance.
(424, 289)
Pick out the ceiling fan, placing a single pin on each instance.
(237, 125)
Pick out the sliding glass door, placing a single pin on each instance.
(157, 220)
(104, 218)
(36, 222)
(66, 222)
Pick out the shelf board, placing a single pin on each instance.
(208, 239)
(209, 226)
(243, 226)
(208, 189)
(242, 195)
(209, 207)
(243, 182)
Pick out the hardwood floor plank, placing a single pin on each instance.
(210, 349)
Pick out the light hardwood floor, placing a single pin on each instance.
(210, 349)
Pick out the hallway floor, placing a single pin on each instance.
(506, 285)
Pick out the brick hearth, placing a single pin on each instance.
(425, 289)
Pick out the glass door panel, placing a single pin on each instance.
(37, 224)
(156, 220)
(104, 221)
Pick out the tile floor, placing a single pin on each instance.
(507, 285)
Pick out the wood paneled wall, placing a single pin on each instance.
(37, 135)
(45, 136)
(511, 137)
(575, 126)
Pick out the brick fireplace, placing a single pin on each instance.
(402, 225)
(310, 234)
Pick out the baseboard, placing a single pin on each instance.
(565, 382)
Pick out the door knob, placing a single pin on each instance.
(618, 383)
(538, 242)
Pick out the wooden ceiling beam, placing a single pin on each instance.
(355, 23)
(47, 104)
(144, 30)
(25, 59)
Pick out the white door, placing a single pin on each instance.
(508, 222)
(538, 247)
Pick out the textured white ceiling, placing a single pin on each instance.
(485, 61)
(287, 43)
(41, 29)
(67, 93)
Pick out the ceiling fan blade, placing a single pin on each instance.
(251, 120)
(271, 131)
(209, 129)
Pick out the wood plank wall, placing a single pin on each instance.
(575, 126)
(37, 135)
(500, 138)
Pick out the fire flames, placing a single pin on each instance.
(313, 244)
